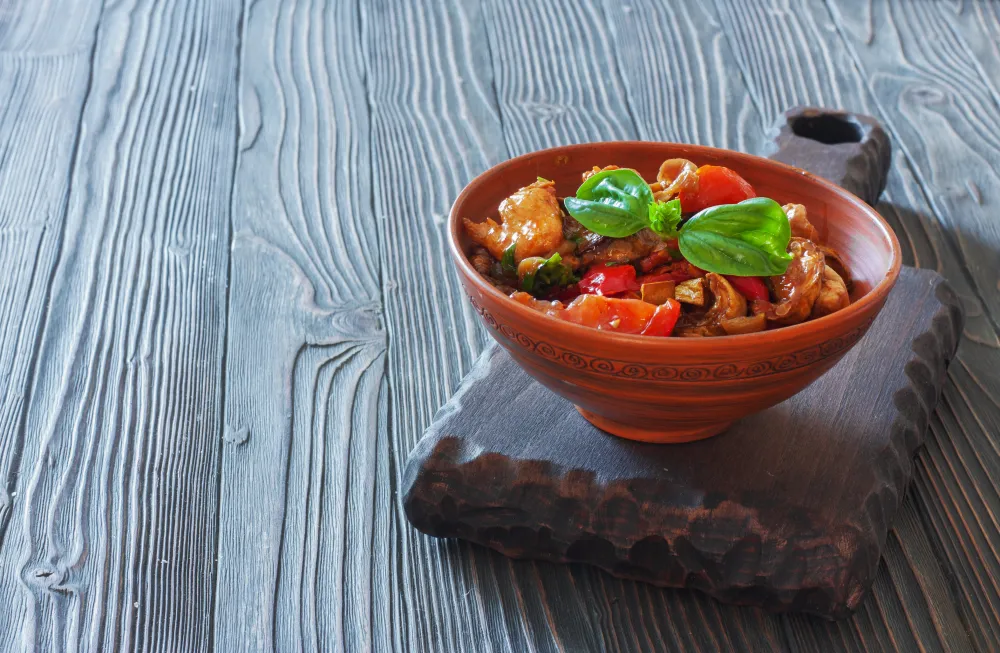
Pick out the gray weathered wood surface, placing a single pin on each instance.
(789, 510)
(227, 314)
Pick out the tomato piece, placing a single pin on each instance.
(753, 288)
(608, 281)
(664, 319)
(609, 313)
(632, 316)
(716, 185)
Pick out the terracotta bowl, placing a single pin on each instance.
(679, 389)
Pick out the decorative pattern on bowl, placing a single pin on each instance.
(629, 370)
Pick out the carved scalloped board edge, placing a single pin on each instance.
(452, 488)
(927, 371)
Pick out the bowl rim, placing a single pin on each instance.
(877, 294)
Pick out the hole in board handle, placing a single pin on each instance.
(827, 129)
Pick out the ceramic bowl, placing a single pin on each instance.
(679, 389)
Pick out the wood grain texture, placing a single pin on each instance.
(561, 82)
(749, 517)
(912, 203)
(555, 90)
(681, 78)
(510, 593)
(44, 78)
(645, 73)
(528, 77)
(354, 126)
(110, 543)
(961, 69)
(45, 69)
(434, 119)
(305, 347)
(942, 83)
(976, 25)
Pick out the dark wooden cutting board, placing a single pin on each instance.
(788, 509)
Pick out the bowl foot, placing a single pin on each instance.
(666, 436)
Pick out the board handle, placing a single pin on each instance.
(850, 149)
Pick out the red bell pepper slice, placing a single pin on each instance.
(716, 185)
(753, 288)
(609, 281)
(664, 319)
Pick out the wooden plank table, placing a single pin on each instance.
(227, 312)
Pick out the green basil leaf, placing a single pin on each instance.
(613, 203)
(749, 239)
(549, 276)
(623, 187)
(665, 217)
(507, 263)
(604, 219)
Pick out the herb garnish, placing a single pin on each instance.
(746, 239)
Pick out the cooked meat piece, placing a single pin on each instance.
(579, 236)
(674, 176)
(797, 289)
(593, 171)
(832, 295)
(738, 325)
(727, 305)
(659, 256)
(482, 261)
(799, 223)
(691, 292)
(531, 217)
(833, 260)
(622, 250)
(487, 266)
(727, 302)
